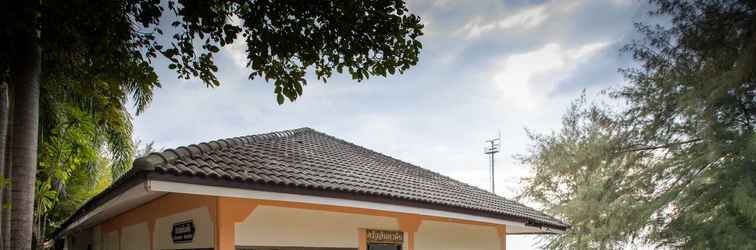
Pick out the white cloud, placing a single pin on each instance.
(237, 52)
(474, 29)
(445, 3)
(586, 51)
(622, 3)
(524, 79)
(527, 18)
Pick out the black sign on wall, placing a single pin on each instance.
(183, 232)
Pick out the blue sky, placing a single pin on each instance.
(486, 67)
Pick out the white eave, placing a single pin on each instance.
(151, 189)
(133, 197)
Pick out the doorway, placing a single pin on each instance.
(290, 248)
(383, 246)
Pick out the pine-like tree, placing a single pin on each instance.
(677, 168)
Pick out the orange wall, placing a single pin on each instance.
(226, 212)
(235, 210)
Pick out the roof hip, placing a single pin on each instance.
(168, 156)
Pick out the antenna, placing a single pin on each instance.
(492, 148)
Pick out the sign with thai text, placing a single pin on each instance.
(382, 236)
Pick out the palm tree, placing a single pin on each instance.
(24, 147)
(85, 122)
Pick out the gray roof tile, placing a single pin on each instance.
(310, 159)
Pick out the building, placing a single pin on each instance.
(293, 190)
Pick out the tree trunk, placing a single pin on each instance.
(24, 150)
(6, 211)
(25, 73)
(4, 109)
(5, 224)
(6, 207)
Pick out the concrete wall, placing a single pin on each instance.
(203, 224)
(280, 226)
(434, 235)
(110, 241)
(135, 237)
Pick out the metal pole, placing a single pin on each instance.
(491, 150)
(493, 183)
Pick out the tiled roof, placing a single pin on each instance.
(307, 159)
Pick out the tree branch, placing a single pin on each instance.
(647, 148)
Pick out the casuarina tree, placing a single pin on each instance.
(675, 168)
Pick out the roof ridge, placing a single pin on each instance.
(168, 156)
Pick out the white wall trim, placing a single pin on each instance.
(178, 187)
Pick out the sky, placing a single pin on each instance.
(487, 69)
